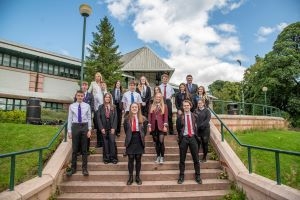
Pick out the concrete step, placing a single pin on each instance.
(147, 186)
(149, 150)
(199, 195)
(145, 175)
(148, 166)
(149, 143)
(145, 157)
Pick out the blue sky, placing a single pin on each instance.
(202, 38)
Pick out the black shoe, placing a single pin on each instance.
(106, 161)
(124, 154)
(138, 180)
(114, 161)
(85, 172)
(71, 171)
(78, 153)
(198, 179)
(180, 180)
(130, 180)
(118, 134)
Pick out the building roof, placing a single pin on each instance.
(144, 59)
(12, 46)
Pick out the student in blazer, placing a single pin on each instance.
(107, 123)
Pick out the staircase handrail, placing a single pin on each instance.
(13, 155)
(249, 147)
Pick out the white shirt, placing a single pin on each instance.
(95, 89)
(85, 114)
(186, 123)
(126, 99)
(170, 91)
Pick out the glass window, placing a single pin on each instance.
(61, 71)
(59, 106)
(40, 66)
(6, 60)
(13, 61)
(27, 64)
(55, 70)
(32, 65)
(9, 107)
(50, 69)
(2, 104)
(20, 63)
(1, 57)
(67, 72)
(45, 68)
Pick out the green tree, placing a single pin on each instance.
(103, 55)
(226, 90)
(280, 72)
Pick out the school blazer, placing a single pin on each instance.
(101, 118)
(161, 118)
(180, 123)
(128, 132)
(119, 104)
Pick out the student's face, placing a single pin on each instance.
(182, 88)
(79, 97)
(165, 79)
(200, 104)
(156, 90)
(118, 84)
(84, 87)
(143, 80)
(186, 107)
(131, 87)
(134, 108)
(97, 78)
(200, 90)
(189, 79)
(107, 99)
(158, 98)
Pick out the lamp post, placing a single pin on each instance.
(85, 11)
(265, 89)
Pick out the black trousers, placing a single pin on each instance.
(79, 138)
(138, 163)
(98, 133)
(119, 117)
(170, 113)
(109, 146)
(204, 139)
(189, 142)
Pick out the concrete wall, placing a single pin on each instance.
(60, 86)
(14, 79)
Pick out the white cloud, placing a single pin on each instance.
(182, 29)
(263, 32)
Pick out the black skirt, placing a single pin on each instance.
(135, 146)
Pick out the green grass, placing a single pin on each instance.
(19, 137)
(263, 162)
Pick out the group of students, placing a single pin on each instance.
(142, 112)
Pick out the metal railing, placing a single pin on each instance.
(242, 108)
(40, 155)
(277, 152)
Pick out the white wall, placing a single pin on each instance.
(14, 80)
(60, 86)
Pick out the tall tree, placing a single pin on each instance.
(226, 90)
(280, 72)
(103, 54)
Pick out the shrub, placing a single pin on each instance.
(13, 116)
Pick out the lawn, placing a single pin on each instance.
(263, 162)
(19, 137)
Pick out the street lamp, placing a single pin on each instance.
(265, 89)
(85, 10)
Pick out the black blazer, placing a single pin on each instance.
(179, 99)
(128, 132)
(203, 118)
(101, 118)
(89, 99)
(147, 97)
(180, 123)
(117, 103)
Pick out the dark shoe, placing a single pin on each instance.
(85, 172)
(78, 153)
(99, 145)
(71, 171)
(106, 161)
(114, 161)
(198, 179)
(204, 159)
(180, 180)
(124, 154)
(138, 180)
(118, 134)
(130, 180)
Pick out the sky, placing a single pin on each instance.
(204, 38)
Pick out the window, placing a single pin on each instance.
(6, 60)
(45, 68)
(2, 104)
(20, 63)
(32, 65)
(13, 61)
(40, 66)
(9, 104)
(56, 70)
(27, 64)
(1, 57)
(50, 69)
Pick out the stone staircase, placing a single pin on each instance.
(108, 181)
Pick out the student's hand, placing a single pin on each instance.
(89, 133)
(179, 112)
(149, 129)
(112, 131)
(103, 131)
(165, 129)
(70, 135)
